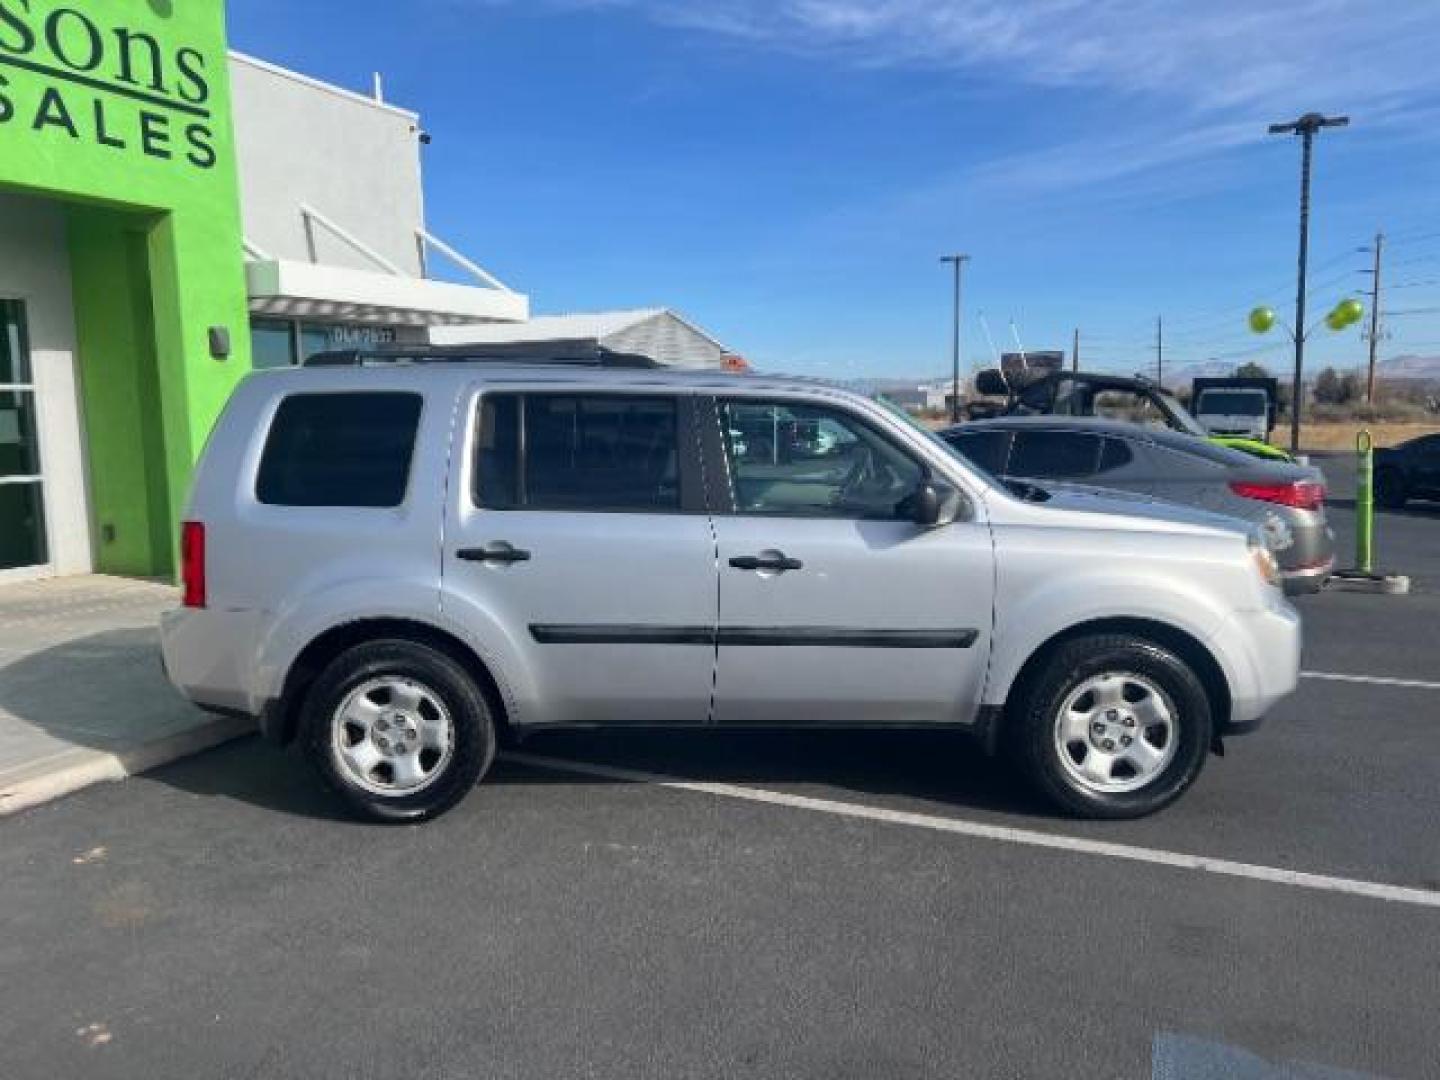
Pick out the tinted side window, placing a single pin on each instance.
(985, 449)
(341, 449)
(800, 460)
(497, 453)
(602, 452)
(1054, 455)
(1115, 455)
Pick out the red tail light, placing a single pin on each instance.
(192, 563)
(1303, 494)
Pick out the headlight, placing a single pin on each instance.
(1264, 560)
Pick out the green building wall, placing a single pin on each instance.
(121, 108)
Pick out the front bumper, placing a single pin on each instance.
(1260, 653)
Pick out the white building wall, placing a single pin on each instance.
(351, 158)
(35, 269)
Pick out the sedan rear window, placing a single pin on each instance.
(1054, 455)
(984, 449)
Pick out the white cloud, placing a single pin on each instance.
(1166, 81)
(1214, 55)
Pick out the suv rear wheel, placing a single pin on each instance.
(1113, 726)
(399, 730)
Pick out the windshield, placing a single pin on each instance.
(1232, 403)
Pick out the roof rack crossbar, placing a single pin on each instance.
(563, 353)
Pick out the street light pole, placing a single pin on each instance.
(1305, 127)
(959, 262)
(1160, 350)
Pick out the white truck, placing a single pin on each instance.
(1238, 411)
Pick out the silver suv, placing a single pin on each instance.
(405, 562)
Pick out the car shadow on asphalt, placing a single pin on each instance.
(936, 767)
(933, 769)
(99, 690)
(106, 691)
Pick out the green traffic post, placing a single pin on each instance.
(1363, 579)
(1365, 502)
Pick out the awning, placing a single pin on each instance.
(302, 290)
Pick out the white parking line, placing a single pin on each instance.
(1371, 680)
(1006, 834)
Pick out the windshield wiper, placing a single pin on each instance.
(1026, 491)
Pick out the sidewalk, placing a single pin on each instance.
(82, 696)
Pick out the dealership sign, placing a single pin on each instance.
(69, 75)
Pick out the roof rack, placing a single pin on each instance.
(577, 353)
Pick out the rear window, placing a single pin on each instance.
(1054, 455)
(984, 449)
(348, 449)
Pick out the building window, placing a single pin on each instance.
(282, 342)
(272, 343)
(22, 505)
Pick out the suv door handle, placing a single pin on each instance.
(499, 552)
(778, 562)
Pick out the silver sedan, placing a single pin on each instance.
(1286, 501)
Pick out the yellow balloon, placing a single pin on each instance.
(1262, 320)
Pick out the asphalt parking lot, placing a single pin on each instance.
(866, 905)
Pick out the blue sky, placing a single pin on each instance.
(787, 172)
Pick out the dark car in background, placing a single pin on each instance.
(1108, 397)
(1287, 501)
(1408, 471)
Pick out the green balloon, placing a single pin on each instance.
(1262, 320)
(1336, 320)
(1352, 311)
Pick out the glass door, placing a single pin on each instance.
(22, 503)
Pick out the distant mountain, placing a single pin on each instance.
(1410, 367)
(1397, 367)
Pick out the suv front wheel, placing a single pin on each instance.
(399, 730)
(1113, 726)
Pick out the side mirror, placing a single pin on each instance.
(935, 504)
(991, 382)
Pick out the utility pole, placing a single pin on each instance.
(1075, 353)
(958, 261)
(1306, 127)
(1159, 350)
(1374, 319)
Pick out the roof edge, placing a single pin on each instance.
(320, 84)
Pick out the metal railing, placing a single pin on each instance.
(424, 239)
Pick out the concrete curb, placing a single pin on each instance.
(43, 781)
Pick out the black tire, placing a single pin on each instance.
(1036, 712)
(472, 727)
(1390, 489)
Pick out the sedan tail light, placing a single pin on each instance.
(192, 564)
(1301, 494)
